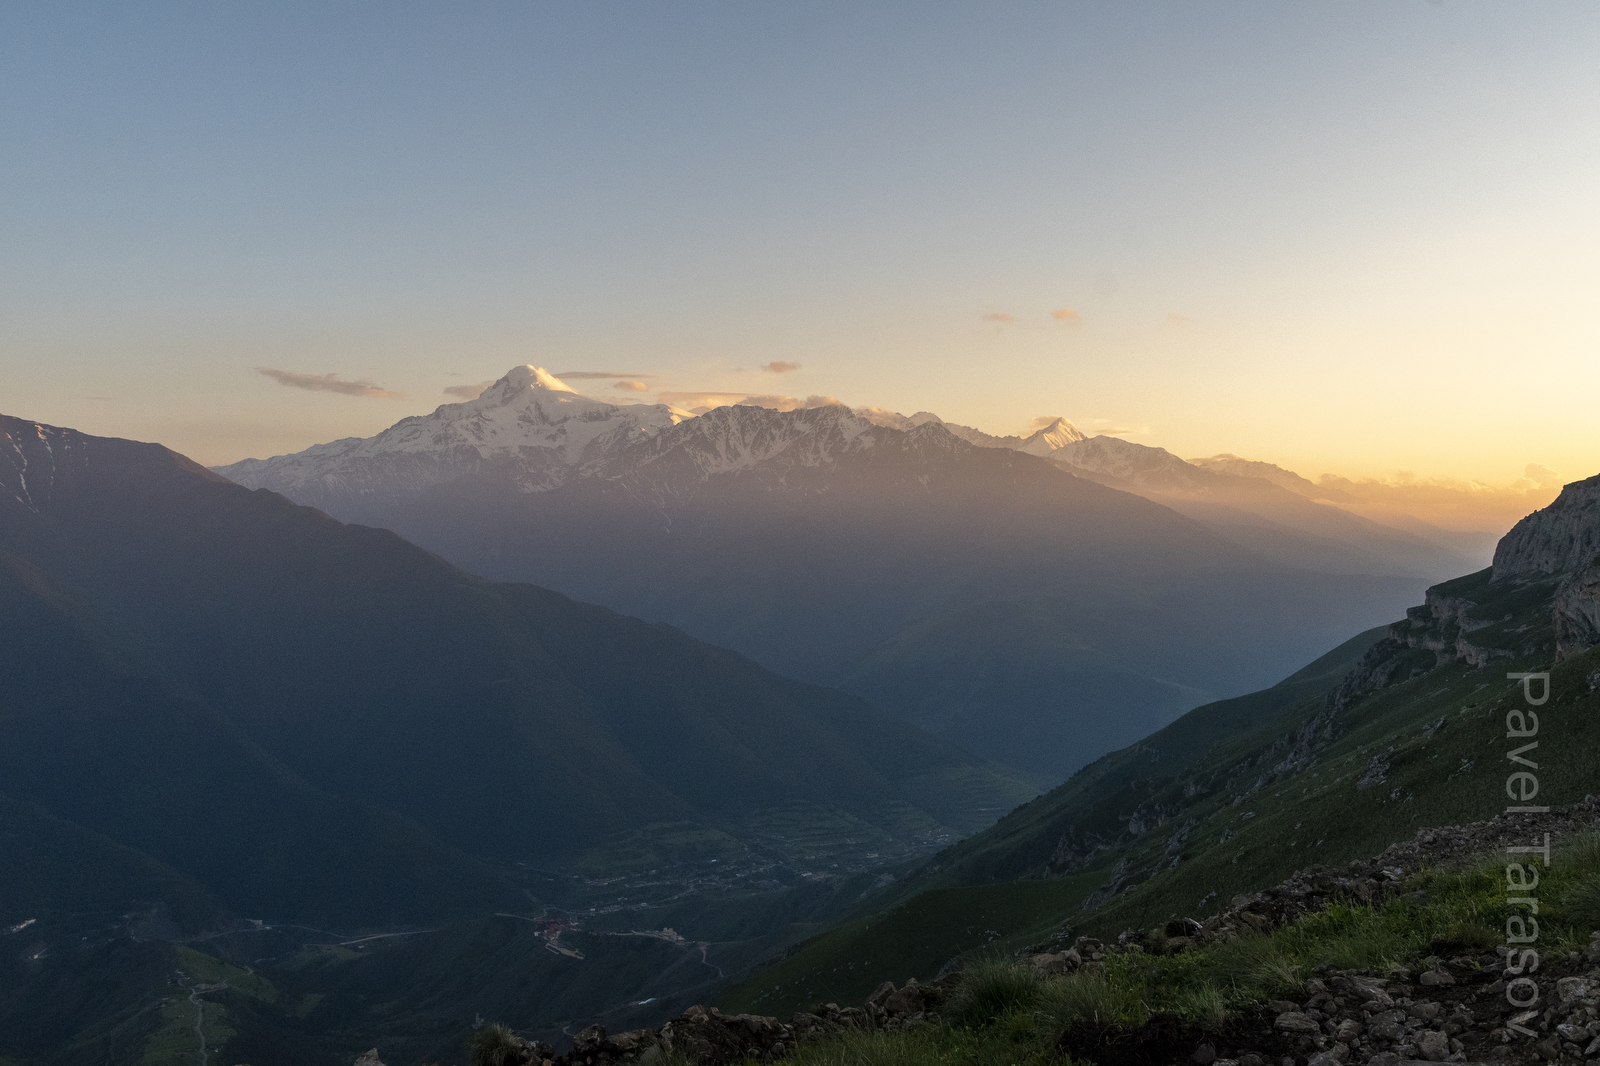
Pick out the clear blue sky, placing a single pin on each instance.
(1342, 236)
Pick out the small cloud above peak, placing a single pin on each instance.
(1175, 319)
(535, 377)
(700, 402)
(779, 366)
(1066, 314)
(999, 316)
(326, 383)
(467, 392)
(631, 386)
(1105, 427)
(1541, 474)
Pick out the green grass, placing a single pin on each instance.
(175, 1042)
(1011, 1042)
(987, 894)
(1005, 1013)
(494, 1045)
(992, 990)
(845, 964)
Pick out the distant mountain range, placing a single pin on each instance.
(985, 587)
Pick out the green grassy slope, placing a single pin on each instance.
(1209, 809)
(1094, 803)
(1148, 1005)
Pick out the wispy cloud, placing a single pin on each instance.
(1105, 427)
(700, 402)
(779, 367)
(691, 400)
(1174, 318)
(326, 383)
(632, 386)
(600, 375)
(1449, 502)
(468, 392)
(998, 316)
(1540, 474)
(1040, 421)
(1066, 314)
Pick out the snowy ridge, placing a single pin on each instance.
(30, 451)
(533, 432)
(1227, 463)
(1042, 442)
(529, 419)
(741, 437)
(1123, 459)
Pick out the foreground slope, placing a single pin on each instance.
(1227, 799)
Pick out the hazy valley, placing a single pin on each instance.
(982, 587)
(332, 787)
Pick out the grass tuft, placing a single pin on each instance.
(494, 1045)
(1113, 998)
(924, 1047)
(992, 990)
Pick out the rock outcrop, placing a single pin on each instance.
(706, 1035)
(1562, 537)
(1577, 612)
(1541, 596)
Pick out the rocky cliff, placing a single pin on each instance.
(1560, 538)
(1541, 598)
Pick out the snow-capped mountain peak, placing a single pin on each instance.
(1057, 434)
(529, 419)
(537, 433)
(528, 376)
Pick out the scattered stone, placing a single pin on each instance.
(1293, 1021)
(1433, 1045)
(709, 1036)
(1571, 988)
(1334, 1056)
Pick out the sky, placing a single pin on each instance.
(1355, 238)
